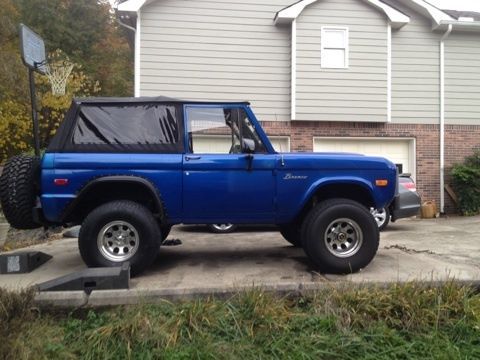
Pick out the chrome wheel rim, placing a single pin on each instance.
(380, 216)
(343, 238)
(222, 227)
(118, 241)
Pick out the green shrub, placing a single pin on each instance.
(466, 183)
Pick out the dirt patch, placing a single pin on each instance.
(17, 239)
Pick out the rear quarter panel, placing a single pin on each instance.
(162, 170)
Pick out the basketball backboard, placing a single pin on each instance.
(33, 49)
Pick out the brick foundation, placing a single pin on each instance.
(460, 141)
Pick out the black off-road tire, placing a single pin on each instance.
(165, 229)
(139, 217)
(345, 221)
(292, 233)
(19, 185)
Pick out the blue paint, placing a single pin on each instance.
(220, 188)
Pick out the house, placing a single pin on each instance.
(397, 78)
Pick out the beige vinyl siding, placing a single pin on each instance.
(415, 71)
(462, 79)
(358, 93)
(217, 50)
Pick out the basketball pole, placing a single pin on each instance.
(33, 98)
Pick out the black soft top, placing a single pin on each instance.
(150, 99)
(124, 124)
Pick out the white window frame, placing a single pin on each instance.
(346, 48)
(281, 137)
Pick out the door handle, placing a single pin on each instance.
(188, 158)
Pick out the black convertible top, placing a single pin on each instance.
(148, 99)
(124, 124)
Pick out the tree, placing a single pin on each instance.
(13, 79)
(87, 32)
(15, 129)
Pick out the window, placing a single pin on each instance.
(220, 130)
(334, 49)
(280, 143)
(127, 127)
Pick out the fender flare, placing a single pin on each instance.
(344, 180)
(115, 179)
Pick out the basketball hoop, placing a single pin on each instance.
(58, 73)
(33, 53)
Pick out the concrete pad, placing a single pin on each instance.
(207, 263)
(66, 259)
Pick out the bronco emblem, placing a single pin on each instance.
(290, 176)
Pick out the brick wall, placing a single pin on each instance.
(460, 141)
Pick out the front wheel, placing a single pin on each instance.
(117, 232)
(340, 236)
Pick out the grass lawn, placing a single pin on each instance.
(408, 321)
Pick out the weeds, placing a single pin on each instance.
(410, 320)
(15, 314)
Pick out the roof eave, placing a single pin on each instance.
(430, 11)
(131, 5)
(399, 24)
(468, 26)
(290, 13)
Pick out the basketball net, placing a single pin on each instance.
(58, 73)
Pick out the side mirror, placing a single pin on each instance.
(248, 146)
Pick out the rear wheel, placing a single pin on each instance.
(117, 232)
(340, 236)
(18, 191)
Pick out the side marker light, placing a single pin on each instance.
(381, 182)
(60, 182)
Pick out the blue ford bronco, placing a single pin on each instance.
(127, 169)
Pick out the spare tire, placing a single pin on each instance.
(18, 190)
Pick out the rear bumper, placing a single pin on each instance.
(405, 204)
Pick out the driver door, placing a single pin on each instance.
(221, 181)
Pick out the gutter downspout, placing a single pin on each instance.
(293, 90)
(137, 56)
(442, 117)
(126, 26)
(389, 72)
(131, 28)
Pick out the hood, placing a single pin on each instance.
(337, 160)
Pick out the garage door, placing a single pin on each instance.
(212, 144)
(399, 151)
(218, 144)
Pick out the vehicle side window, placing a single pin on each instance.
(213, 131)
(220, 130)
(249, 132)
(139, 127)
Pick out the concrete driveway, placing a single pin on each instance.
(411, 249)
